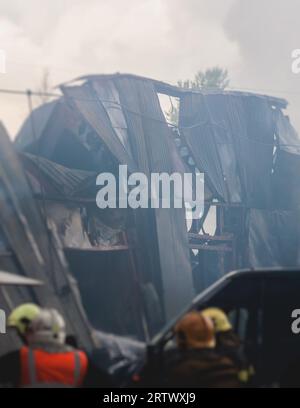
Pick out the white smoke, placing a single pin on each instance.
(266, 32)
(163, 39)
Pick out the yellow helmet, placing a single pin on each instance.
(219, 318)
(22, 316)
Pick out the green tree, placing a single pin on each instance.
(211, 78)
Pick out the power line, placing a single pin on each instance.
(33, 93)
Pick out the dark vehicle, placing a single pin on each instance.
(260, 305)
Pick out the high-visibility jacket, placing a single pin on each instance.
(39, 367)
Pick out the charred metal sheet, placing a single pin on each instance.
(151, 140)
(31, 242)
(66, 181)
(273, 238)
(126, 114)
(93, 111)
(285, 180)
(109, 97)
(232, 139)
(79, 223)
(288, 138)
(51, 139)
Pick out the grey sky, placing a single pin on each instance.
(164, 39)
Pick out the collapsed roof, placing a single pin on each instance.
(122, 115)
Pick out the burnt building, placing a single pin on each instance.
(129, 271)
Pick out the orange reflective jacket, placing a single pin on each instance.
(39, 367)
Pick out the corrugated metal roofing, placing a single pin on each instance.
(149, 149)
(221, 128)
(173, 90)
(232, 140)
(66, 181)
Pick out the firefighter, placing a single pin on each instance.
(229, 344)
(197, 362)
(45, 359)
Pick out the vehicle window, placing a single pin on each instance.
(239, 320)
(242, 292)
(241, 300)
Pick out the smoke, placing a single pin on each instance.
(163, 39)
(266, 32)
